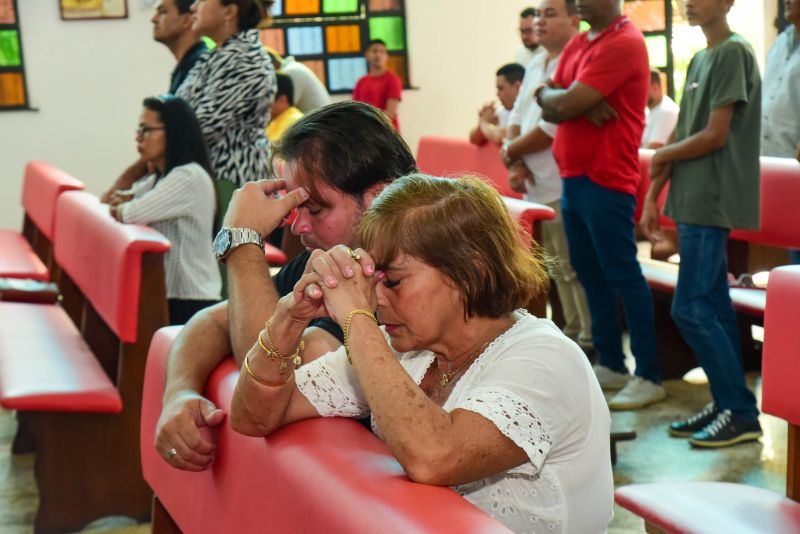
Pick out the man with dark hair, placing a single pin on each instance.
(493, 118)
(335, 160)
(530, 43)
(662, 114)
(283, 113)
(380, 87)
(172, 27)
(597, 96)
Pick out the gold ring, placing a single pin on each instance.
(353, 254)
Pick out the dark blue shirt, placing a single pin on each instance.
(185, 65)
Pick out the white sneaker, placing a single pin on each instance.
(610, 380)
(637, 394)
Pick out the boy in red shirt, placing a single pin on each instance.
(380, 87)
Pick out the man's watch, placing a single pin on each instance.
(229, 238)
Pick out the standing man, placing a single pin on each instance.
(309, 93)
(380, 87)
(556, 23)
(661, 117)
(780, 105)
(493, 119)
(530, 43)
(172, 27)
(598, 96)
(714, 171)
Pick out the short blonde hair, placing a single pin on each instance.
(461, 228)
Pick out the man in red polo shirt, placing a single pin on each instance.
(598, 96)
(380, 87)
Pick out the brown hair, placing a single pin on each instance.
(252, 13)
(461, 228)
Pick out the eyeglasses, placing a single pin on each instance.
(142, 131)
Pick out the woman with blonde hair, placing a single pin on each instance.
(466, 389)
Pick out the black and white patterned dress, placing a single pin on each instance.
(231, 90)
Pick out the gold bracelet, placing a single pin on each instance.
(347, 322)
(261, 380)
(273, 354)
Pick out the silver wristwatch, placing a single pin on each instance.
(229, 238)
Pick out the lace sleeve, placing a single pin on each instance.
(514, 418)
(330, 385)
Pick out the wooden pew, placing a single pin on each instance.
(74, 371)
(319, 475)
(711, 507)
(28, 254)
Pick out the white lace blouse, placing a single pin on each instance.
(538, 388)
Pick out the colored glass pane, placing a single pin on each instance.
(277, 8)
(301, 7)
(12, 89)
(340, 6)
(657, 50)
(343, 73)
(273, 38)
(9, 48)
(304, 41)
(209, 42)
(384, 5)
(583, 26)
(343, 38)
(397, 64)
(7, 12)
(390, 29)
(647, 15)
(317, 66)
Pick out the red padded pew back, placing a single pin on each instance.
(445, 156)
(104, 258)
(780, 218)
(780, 363)
(41, 188)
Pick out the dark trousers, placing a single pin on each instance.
(180, 311)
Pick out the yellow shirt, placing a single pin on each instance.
(279, 124)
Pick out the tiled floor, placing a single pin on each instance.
(653, 456)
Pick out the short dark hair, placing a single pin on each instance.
(350, 146)
(513, 72)
(374, 42)
(655, 76)
(460, 227)
(285, 87)
(528, 12)
(572, 9)
(252, 13)
(183, 6)
(185, 142)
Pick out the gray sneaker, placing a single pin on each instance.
(638, 393)
(610, 380)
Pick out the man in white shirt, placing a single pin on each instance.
(493, 117)
(530, 44)
(529, 140)
(309, 93)
(662, 115)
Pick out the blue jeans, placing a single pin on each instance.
(600, 237)
(703, 312)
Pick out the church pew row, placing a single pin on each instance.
(320, 475)
(712, 507)
(780, 187)
(27, 254)
(74, 370)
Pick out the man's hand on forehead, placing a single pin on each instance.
(259, 206)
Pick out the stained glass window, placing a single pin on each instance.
(330, 37)
(13, 93)
(654, 19)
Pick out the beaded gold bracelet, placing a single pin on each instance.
(261, 380)
(346, 329)
(273, 354)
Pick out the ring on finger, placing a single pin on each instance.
(171, 453)
(353, 254)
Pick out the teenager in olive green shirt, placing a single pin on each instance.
(714, 170)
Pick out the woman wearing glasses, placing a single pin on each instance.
(178, 199)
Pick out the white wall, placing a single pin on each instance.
(88, 78)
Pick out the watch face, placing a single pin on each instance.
(222, 242)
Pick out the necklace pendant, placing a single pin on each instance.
(444, 381)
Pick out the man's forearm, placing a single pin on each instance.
(252, 297)
(534, 141)
(127, 178)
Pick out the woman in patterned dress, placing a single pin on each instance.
(232, 88)
(467, 389)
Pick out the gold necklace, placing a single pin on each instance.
(447, 376)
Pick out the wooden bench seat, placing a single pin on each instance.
(28, 254)
(711, 507)
(74, 370)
